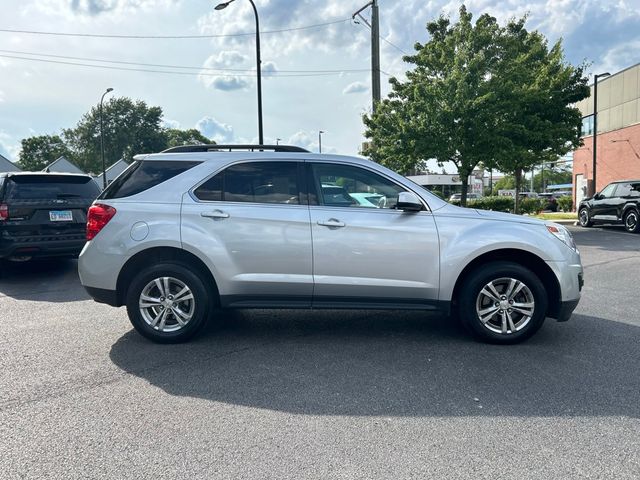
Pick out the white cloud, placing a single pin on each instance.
(218, 131)
(225, 60)
(8, 148)
(93, 8)
(355, 87)
(309, 141)
(168, 123)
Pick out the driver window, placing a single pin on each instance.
(607, 192)
(347, 186)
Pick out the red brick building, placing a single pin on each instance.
(618, 155)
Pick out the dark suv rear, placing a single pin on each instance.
(618, 202)
(44, 214)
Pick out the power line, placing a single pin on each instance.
(184, 67)
(172, 37)
(393, 45)
(111, 67)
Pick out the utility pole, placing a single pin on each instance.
(374, 26)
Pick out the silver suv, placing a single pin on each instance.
(191, 229)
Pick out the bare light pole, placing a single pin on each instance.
(224, 5)
(320, 132)
(595, 126)
(104, 169)
(278, 140)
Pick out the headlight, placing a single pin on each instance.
(562, 234)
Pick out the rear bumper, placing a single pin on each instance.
(100, 295)
(36, 247)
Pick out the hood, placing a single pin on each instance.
(490, 215)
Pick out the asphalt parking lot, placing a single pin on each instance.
(327, 394)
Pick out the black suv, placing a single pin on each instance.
(44, 214)
(618, 202)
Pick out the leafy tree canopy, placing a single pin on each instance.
(479, 92)
(37, 152)
(176, 137)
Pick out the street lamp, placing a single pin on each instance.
(595, 126)
(222, 6)
(320, 140)
(104, 169)
(278, 140)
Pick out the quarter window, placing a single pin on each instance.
(348, 186)
(257, 182)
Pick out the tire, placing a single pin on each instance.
(585, 218)
(163, 318)
(632, 221)
(496, 328)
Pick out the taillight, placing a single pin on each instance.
(4, 211)
(98, 216)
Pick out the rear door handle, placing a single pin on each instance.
(332, 222)
(215, 214)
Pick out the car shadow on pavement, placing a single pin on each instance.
(47, 280)
(395, 364)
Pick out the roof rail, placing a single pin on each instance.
(230, 148)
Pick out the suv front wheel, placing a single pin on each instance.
(168, 303)
(584, 218)
(503, 302)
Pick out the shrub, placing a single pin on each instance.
(437, 194)
(532, 205)
(498, 204)
(565, 203)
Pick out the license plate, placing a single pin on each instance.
(61, 216)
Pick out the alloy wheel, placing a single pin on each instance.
(584, 217)
(631, 221)
(505, 305)
(166, 304)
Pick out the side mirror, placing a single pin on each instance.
(409, 202)
(598, 196)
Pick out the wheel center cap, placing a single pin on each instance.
(167, 303)
(504, 304)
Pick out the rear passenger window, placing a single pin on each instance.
(257, 182)
(142, 175)
(628, 190)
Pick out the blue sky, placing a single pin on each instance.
(42, 98)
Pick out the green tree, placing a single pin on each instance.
(505, 183)
(551, 176)
(176, 137)
(39, 151)
(444, 110)
(129, 128)
(479, 93)
(535, 92)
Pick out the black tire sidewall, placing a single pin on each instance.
(624, 220)
(477, 279)
(191, 278)
(588, 222)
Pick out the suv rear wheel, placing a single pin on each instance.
(168, 303)
(503, 302)
(631, 222)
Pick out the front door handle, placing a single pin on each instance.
(333, 223)
(215, 214)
